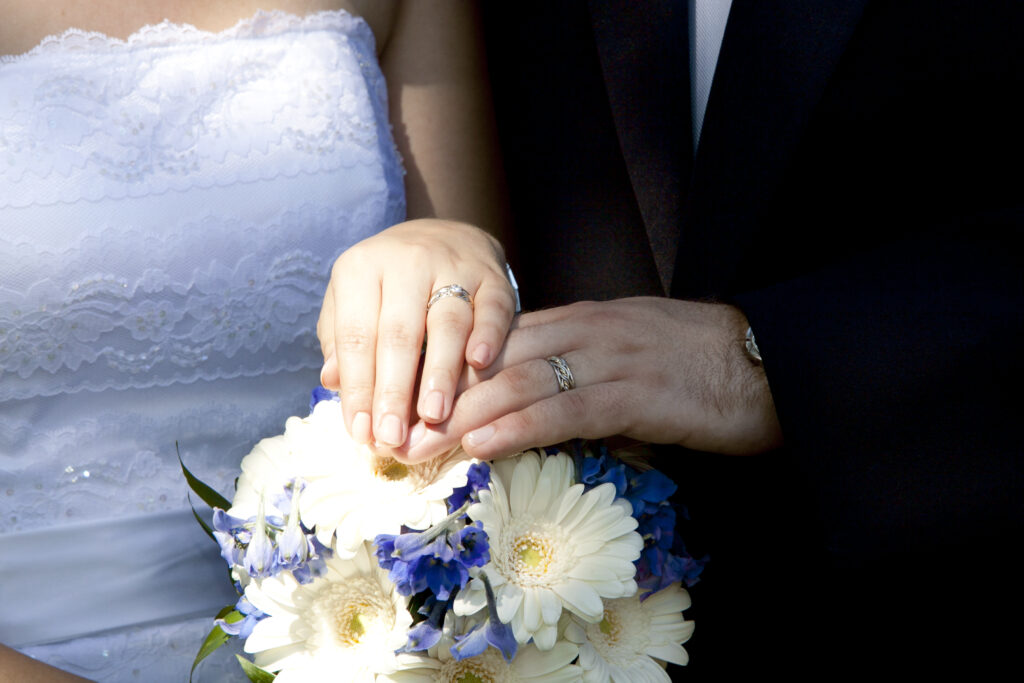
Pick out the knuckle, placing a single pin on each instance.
(398, 336)
(393, 394)
(354, 340)
(448, 322)
(517, 379)
(576, 405)
(521, 422)
(356, 394)
(441, 376)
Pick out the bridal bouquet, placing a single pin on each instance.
(542, 567)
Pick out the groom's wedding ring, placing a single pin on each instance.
(450, 290)
(563, 375)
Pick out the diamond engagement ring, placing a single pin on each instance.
(450, 290)
(563, 375)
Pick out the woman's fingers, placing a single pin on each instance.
(325, 333)
(355, 344)
(495, 306)
(449, 321)
(399, 342)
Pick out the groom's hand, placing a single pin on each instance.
(654, 369)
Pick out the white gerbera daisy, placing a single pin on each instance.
(266, 470)
(356, 492)
(631, 642)
(350, 620)
(530, 665)
(552, 546)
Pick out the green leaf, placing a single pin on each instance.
(202, 523)
(225, 612)
(207, 494)
(215, 639)
(255, 674)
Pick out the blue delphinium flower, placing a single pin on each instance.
(259, 556)
(244, 627)
(478, 476)
(437, 559)
(320, 394)
(267, 544)
(488, 632)
(427, 633)
(664, 559)
(232, 536)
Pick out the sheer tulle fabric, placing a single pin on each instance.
(170, 207)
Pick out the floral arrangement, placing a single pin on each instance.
(547, 566)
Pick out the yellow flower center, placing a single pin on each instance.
(611, 627)
(349, 613)
(533, 553)
(487, 667)
(349, 625)
(386, 467)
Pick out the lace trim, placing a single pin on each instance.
(93, 318)
(262, 24)
(144, 116)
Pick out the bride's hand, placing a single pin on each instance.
(374, 314)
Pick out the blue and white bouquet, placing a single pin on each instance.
(546, 566)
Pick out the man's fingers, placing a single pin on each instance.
(448, 326)
(509, 391)
(588, 412)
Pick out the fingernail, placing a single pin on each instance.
(482, 354)
(361, 428)
(329, 366)
(416, 435)
(480, 436)
(433, 407)
(389, 431)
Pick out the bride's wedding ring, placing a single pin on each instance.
(450, 290)
(563, 375)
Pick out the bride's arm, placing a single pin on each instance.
(442, 115)
(15, 666)
(372, 324)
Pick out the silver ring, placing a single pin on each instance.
(563, 375)
(450, 290)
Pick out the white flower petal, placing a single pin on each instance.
(531, 609)
(508, 600)
(581, 598)
(469, 601)
(532, 662)
(545, 636)
(524, 482)
(550, 607)
(566, 503)
(269, 634)
(670, 652)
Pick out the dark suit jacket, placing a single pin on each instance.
(855, 192)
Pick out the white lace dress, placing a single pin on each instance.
(170, 207)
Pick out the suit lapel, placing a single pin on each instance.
(775, 61)
(644, 57)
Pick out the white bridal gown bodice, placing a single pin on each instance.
(170, 207)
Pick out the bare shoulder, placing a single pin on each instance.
(26, 24)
